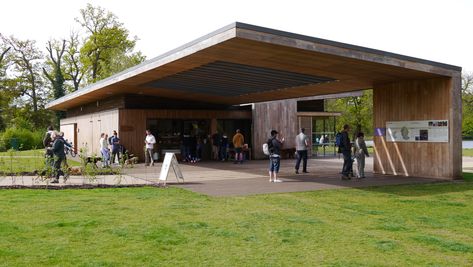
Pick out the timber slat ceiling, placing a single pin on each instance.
(232, 79)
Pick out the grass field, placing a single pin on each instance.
(21, 161)
(417, 225)
(25, 161)
(467, 152)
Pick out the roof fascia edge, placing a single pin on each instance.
(345, 46)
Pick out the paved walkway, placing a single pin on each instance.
(228, 179)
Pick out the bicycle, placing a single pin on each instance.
(69, 149)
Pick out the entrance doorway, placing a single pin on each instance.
(169, 135)
(323, 136)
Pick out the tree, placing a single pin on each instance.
(107, 41)
(467, 101)
(3, 53)
(4, 97)
(26, 61)
(55, 74)
(357, 111)
(74, 70)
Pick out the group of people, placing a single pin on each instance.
(360, 151)
(110, 149)
(274, 145)
(221, 144)
(192, 147)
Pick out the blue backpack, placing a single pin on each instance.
(338, 139)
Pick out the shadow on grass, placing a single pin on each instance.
(468, 176)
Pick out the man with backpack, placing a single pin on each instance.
(274, 148)
(344, 147)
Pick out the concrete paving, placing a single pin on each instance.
(228, 179)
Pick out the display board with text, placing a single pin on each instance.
(417, 131)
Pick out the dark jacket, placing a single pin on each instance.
(345, 142)
(224, 141)
(47, 141)
(276, 149)
(58, 148)
(115, 142)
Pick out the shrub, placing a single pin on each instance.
(26, 139)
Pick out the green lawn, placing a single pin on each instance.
(468, 152)
(417, 225)
(36, 153)
(24, 161)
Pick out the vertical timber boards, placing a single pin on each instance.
(90, 126)
(278, 115)
(416, 100)
(133, 122)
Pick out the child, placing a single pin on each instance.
(360, 152)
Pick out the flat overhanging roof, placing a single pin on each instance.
(242, 63)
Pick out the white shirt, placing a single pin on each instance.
(150, 141)
(103, 143)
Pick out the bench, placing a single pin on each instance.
(288, 153)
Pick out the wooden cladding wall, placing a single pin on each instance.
(90, 126)
(133, 123)
(277, 115)
(415, 100)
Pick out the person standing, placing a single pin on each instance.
(345, 149)
(103, 142)
(302, 143)
(66, 144)
(215, 145)
(186, 143)
(115, 143)
(274, 145)
(48, 144)
(149, 141)
(59, 155)
(360, 152)
(238, 141)
(193, 147)
(223, 147)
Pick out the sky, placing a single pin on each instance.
(430, 29)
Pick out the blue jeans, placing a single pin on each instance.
(301, 155)
(274, 163)
(347, 162)
(105, 157)
(223, 153)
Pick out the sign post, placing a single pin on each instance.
(169, 161)
(417, 131)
